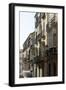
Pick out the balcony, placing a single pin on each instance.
(32, 42)
(40, 36)
(43, 15)
(36, 60)
(51, 52)
(38, 21)
(52, 23)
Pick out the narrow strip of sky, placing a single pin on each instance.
(27, 25)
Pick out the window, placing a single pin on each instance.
(55, 69)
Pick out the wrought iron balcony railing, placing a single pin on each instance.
(51, 23)
(51, 51)
(40, 36)
(43, 15)
(36, 59)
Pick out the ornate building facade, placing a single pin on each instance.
(20, 63)
(52, 34)
(40, 47)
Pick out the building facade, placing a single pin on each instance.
(40, 47)
(52, 34)
(26, 54)
(20, 63)
(45, 60)
(41, 44)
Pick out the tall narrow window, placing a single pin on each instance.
(49, 70)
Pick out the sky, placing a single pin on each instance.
(27, 25)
